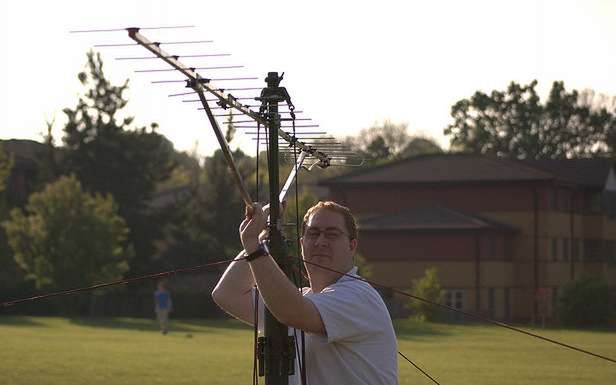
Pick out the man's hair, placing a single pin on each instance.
(349, 219)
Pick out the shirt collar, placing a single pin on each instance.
(352, 272)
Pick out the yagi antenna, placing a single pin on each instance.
(276, 115)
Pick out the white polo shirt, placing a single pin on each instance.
(360, 347)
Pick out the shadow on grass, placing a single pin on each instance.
(590, 329)
(222, 323)
(410, 329)
(145, 324)
(20, 321)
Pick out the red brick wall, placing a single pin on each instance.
(417, 246)
(434, 246)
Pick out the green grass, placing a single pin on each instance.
(124, 351)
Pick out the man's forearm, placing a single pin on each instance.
(232, 289)
(283, 298)
(279, 294)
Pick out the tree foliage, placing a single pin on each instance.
(109, 157)
(420, 145)
(585, 302)
(204, 226)
(515, 123)
(68, 238)
(427, 287)
(389, 141)
(6, 164)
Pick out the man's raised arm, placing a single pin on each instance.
(233, 291)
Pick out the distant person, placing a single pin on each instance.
(162, 299)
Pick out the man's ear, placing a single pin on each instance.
(353, 244)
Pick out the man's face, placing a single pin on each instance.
(326, 242)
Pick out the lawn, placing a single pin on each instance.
(122, 351)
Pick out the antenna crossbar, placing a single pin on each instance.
(196, 82)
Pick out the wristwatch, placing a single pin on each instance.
(259, 252)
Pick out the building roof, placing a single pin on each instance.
(448, 168)
(430, 218)
(590, 172)
(25, 152)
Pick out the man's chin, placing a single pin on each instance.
(322, 259)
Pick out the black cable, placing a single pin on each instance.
(302, 360)
(255, 374)
(257, 171)
(113, 283)
(470, 315)
(420, 369)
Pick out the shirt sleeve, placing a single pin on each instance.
(350, 312)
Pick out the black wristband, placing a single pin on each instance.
(259, 252)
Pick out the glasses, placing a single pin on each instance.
(331, 234)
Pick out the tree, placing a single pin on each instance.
(68, 238)
(419, 145)
(380, 142)
(6, 164)
(109, 157)
(389, 141)
(364, 268)
(427, 287)
(585, 302)
(515, 123)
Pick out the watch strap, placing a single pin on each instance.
(259, 252)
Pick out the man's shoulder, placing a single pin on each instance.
(354, 287)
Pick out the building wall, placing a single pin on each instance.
(558, 230)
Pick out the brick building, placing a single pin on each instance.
(505, 235)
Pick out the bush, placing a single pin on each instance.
(66, 237)
(427, 287)
(585, 302)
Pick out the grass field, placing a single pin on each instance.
(55, 351)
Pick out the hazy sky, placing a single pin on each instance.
(346, 64)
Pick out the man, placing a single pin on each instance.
(162, 300)
(350, 338)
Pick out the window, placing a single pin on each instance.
(508, 248)
(554, 301)
(567, 201)
(492, 246)
(553, 197)
(507, 295)
(592, 250)
(566, 249)
(454, 298)
(577, 252)
(592, 203)
(555, 249)
(610, 251)
(491, 302)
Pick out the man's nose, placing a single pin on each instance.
(321, 239)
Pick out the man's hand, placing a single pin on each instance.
(251, 227)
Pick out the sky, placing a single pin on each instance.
(347, 64)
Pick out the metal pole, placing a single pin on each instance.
(277, 361)
(224, 147)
